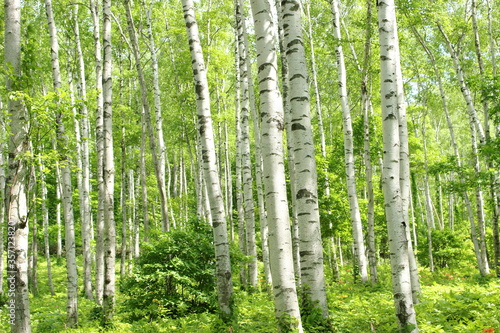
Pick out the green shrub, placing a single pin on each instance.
(174, 275)
(449, 249)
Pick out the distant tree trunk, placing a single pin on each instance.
(223, 264)
(357, 227)
(367, 111)
(239, 182)
(67, 192)
(99, 133)
(396, 223)
(33, 257)
(271, 107)
(428, 203)
(319, 111)
(108, 299)
(144, 188)
(58, 206)
(454, 145)
(477, 132)
(157, 155)
(123, 204)
(85, 204)
(246, 164)
(45, 223)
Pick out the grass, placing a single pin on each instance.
(452, 300)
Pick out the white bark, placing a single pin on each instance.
(306, 186)
(99, 133)
(158, 155)
(246, 163)
(272, 125)
(45, 223)
(223, 265)
(16, 189)
(396, 223)
(108, 300)
(84, 190)
(67, 191)
(357, 227)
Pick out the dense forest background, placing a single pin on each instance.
(323, 151)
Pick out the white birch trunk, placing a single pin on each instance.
(357, 227)
(45, 223)
(272, 125)
(223, 265)
(108, 299)
(246, 164)
(306, 187)
(99, 133)
(404, 176)
(289, 146)
(67, 191)
(396, 223)
(16, 189)
(157, 155)
(84, 191)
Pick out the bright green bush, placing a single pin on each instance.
(449, 249)
(174, 275)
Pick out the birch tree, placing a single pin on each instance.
(357, 227)
(67, 191)
(16, 187)
(396, 223)
(272, 125)
(246, 164)
(85, 205)
(212, 180)
(108, 171)
(99, 134)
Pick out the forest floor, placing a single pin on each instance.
(451, 301)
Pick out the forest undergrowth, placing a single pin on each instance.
(452, 300)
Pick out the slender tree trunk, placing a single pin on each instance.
(58, 207)
(157, 154)
(357, 227)
(428, 202)
(108, 300)
(396, 223)
(99, 133)
(33, 257)
(123, 204)
(223, 265)
(319, 111)
(84, 190)
(144, 189)
(45, 223)
(239, 181)
(455, 149)
(272, 125)
(246, 164)
(67, 192)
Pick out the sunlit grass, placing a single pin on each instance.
(452, 300)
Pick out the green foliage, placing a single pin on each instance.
(174, 275)
(448, 249)
(312, 315)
